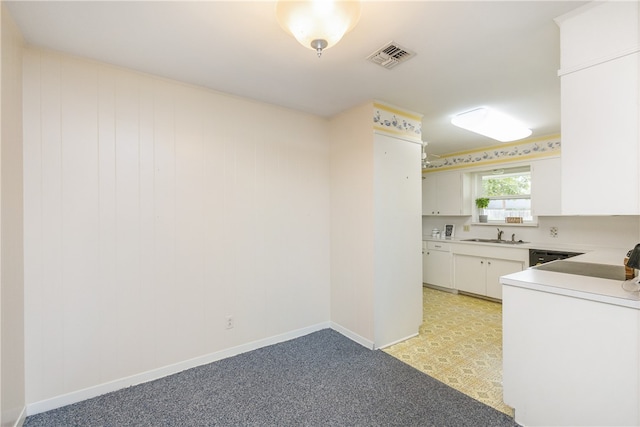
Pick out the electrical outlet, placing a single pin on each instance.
(553, 231)
(229, 323)
(466, 227)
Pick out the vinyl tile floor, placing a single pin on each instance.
(460, 344)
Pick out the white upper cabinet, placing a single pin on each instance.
(445, 193)
(429, 194)
(600, 109)
(597, 32)
(545, 186)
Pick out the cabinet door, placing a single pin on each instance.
(565, 359)
(449, 194)
(600, 139)
(429, 189)
(545, 186)
(497, 268)
(469, 274)
(436, 268)
(602, 30)
(425, 264)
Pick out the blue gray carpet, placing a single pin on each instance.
(322, 379)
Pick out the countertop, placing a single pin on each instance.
(590, 288)
(573, 285)
(569, 247)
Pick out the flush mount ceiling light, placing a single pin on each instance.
(318, 24)
(491, 123)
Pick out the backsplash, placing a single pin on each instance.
(589, 231)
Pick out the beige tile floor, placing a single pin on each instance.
(460, 344)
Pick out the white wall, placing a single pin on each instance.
(12, 400)
(153, 210)
(352, 223)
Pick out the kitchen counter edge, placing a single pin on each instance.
(571, 247)
(584, 287)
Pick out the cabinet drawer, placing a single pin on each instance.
(439, 246)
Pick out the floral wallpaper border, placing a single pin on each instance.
(396, 121)
(499, 153)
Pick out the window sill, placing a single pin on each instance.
(506, 224)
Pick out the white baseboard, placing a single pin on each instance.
(440, 288)
(21, 418)
(353, 336)
(94, 391)
(400, 340)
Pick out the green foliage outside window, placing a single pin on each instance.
(508, 185)
(508, 192)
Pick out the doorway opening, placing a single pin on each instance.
(460, 344)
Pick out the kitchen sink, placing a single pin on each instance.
(505, 242)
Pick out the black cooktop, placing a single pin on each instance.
(604, 271)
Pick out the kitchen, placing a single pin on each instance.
(475, 268)
(570, 340)
(276, 190)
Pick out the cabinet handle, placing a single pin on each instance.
(481, 262)
(489, 262)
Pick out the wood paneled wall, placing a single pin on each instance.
(12, 401)
(153, 210)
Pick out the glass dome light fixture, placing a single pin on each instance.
(318, 24)
(491, 123)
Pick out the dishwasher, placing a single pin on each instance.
(541, 256)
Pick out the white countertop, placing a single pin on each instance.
(584, 287)
(565, 247)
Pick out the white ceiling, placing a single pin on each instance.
(469, 53)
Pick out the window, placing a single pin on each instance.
(508, 191)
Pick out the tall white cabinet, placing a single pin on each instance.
(600, 57)
(397, 239)
(376, 225)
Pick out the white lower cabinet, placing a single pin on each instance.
(481, 276)
(570, 361)
(436, 264)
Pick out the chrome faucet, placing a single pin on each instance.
(500, 234)
(513, 237)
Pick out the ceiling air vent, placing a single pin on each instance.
(390, 55)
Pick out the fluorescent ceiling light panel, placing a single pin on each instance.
(491, 123)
